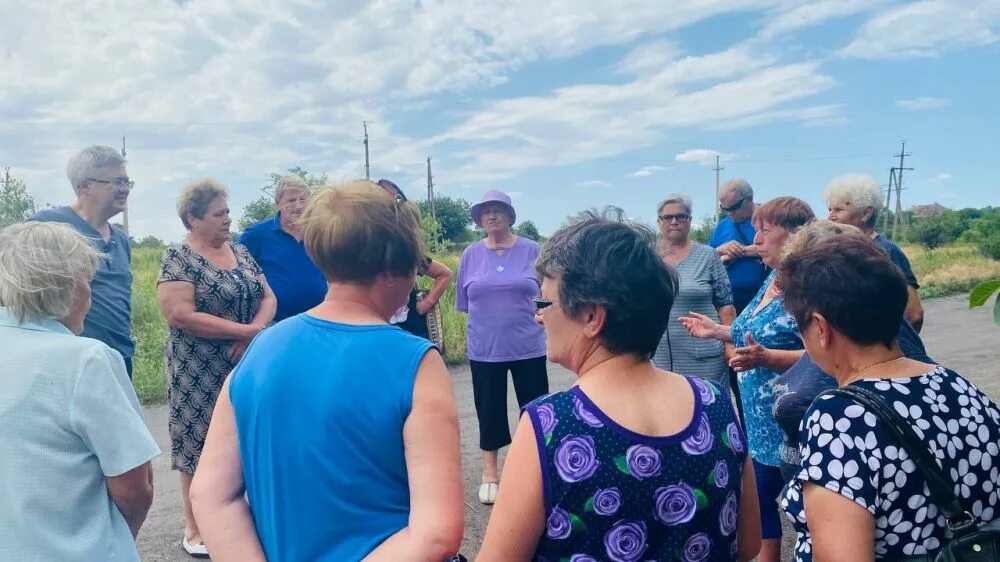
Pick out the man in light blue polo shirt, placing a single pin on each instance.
(276, 245)
(102, 187)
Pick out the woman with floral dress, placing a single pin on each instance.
(771, 345)
(633, 463)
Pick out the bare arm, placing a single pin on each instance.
(701, 326)
(841, 530)
(441, 275)
(518, 518)
(914, 312)
(267, 307)
(132, 492)
(433, 462)
(748, 526)
(176, 300)
(217, 491)
(727, 315)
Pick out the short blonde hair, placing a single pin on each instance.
(196, 197)
(289, 183)
(40, 266)
(354, 233)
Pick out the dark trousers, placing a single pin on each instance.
(489, 390)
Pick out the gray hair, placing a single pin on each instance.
(289, 183)
(860, 190)
(85, 163)
(40, 265)
(814, 232)
(740, 188)
(676, 199)
(196, 197)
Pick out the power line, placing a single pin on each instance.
(430, 189)
(717, 168)
(899, 188)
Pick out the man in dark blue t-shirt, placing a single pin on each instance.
(102, 187)
(733, 240)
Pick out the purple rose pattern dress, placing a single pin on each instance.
(613, 494)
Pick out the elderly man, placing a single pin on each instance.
(733, 240)
(102, 187)
(856, 199)
(276, 245)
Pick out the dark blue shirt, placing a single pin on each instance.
(110, 316)
(296, 281)
(899, 258)
(744, 273)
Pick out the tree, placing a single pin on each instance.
(453, 216)
(150, 242)
(263, 207)
(16, 204)
(528, 230)
(938, 230)
(704, 231)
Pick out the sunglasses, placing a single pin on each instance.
(732, 207)
(671, 218)
(542, 304)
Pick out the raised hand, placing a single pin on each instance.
(751, 356)
(699, 325)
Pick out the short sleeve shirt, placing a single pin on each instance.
(70, 419)
(744, 273)
(899, 258)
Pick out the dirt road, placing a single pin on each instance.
(964, 340)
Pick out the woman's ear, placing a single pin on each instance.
(824, 332)
(593, 321)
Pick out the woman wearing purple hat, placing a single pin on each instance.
(497, 285)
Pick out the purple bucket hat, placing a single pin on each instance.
(493, 197)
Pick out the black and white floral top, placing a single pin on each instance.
(847, 450)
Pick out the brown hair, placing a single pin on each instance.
(787, 212)
(354, 233)
(196, 197)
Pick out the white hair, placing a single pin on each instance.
(40, 265)
(678, 199)
(740, 188)
(85, 163)
(859, 190)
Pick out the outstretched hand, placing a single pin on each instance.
(699, 325)
(751, 356)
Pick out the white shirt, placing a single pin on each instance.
(69, 418)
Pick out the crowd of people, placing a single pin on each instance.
(311, 417)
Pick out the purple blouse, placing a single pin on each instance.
(497, 292)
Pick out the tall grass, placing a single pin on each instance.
(950, 269)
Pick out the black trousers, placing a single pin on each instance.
(489, 390)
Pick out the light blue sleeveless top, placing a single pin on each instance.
(320, 408)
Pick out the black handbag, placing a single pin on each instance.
(973, 541)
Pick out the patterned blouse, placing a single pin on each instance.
(774, 328)
(612, 494)
(847, 450)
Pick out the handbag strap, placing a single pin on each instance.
(941, 489)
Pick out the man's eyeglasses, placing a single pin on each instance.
(117, 182)
(672, 218)
(734, 207)
(542, 304)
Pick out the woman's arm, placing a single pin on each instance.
(434, 466)
(748, 526)
(461, 295)
(132, 493)
(217, 491)
(441, 275)
(518, 518)
(755, 355)
(841, 530)
(701, 326)
(176, 300)
(267, 307)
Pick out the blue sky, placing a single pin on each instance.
(565, 105)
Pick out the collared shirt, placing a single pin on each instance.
(744, 273)
(296, 281)
(69, 419)
(110, 316)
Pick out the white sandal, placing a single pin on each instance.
(196, 550)
(488, 493)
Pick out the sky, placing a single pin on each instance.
(564, 104)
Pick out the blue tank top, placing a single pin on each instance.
(612, 494)
(320, 408)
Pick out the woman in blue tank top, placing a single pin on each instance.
(340, 428)
(633, 463)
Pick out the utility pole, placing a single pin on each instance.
(717, 168)
(368, 174)
(888, 199)
(899, 188)
(6, 179)
(125, 212)
(430, 189)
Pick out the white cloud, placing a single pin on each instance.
(593, 184)
(702, 156)
(917, 104)
(646, 171)
(814, 13)
(927, 28)
(940, 178)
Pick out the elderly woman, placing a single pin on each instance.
(770, 345)
(215, 300)
(856, 199)
(704, 288)
(368, 467)
(855, 498)
(496, 287)
(276, 245)
(413, 316)
(74, 449)
(797, 387)
(632, 463)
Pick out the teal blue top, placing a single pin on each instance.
(320, 408)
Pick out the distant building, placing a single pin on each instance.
(927, 210)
